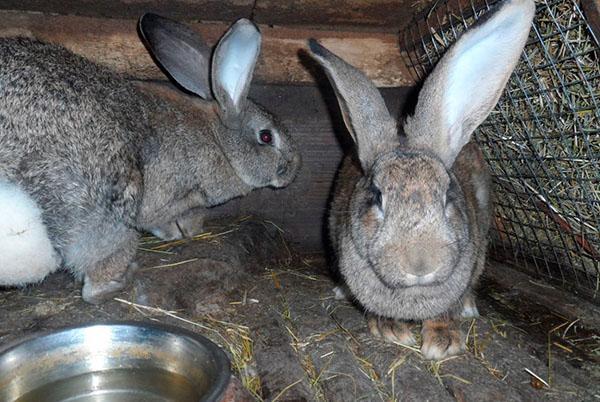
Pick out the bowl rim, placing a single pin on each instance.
(223, 365)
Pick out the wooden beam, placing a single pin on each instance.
(115, 43)
(205, 10)
(387, 15)
(591, 9)
(384, 15)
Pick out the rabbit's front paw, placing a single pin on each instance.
(186, 226)
(168, 231)
(98, 292)
(391, 330)
(469, 309)
(441, 338)
(191, 224)
(99, 286)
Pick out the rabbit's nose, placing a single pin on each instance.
(282, 169)
(420, 271)
(420, 279)
(403, 274)
(287, 165)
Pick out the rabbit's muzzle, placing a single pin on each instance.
(395, 275)
(287, 170)
(407, 264)
(413, 280)
(282, 170)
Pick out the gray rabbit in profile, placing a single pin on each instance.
(88, 159)
(410, 214)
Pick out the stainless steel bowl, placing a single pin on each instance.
(114, 362)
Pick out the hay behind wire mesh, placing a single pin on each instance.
(542, 141)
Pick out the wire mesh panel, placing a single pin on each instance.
(542, 141)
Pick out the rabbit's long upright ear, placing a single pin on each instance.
(233, 66)
(180, 51)
(468, 81)
(367, 118)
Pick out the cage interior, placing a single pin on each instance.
(260, 279)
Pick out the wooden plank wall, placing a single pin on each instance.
(591, 9)
(114, 42)
(378, 15)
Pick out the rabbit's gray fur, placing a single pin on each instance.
(464, 243)
(103, 158)
(410, 215)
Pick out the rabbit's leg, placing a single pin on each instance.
(469, 308)
(167, 231)
(192, 222)
(112, 273)
(391, 330)
(187, 225)
(441, 338)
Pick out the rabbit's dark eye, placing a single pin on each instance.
(377, 198)
(450, 195)
(265, 137)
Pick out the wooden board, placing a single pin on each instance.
(388, 15)
(591, 9)
(212, 10)
(115, 43)
(383, 15)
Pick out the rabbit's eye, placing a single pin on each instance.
(265, 136)
(450, 195)
(377, 197)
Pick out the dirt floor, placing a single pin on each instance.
(273, 310)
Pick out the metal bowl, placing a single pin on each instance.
(114, 362)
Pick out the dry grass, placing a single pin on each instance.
(152, 244)
(435, 368)
(542, 141)
(477, 343)
(299, 346)
(354, 346)
(234, 338)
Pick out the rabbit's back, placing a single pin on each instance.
(53, 100)
(70, 132)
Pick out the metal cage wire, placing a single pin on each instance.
(542, 141)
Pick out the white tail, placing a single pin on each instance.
(26, 254)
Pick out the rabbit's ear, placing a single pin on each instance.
(367, 118)
(233, 65)
(180, 51)
(468, 81)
